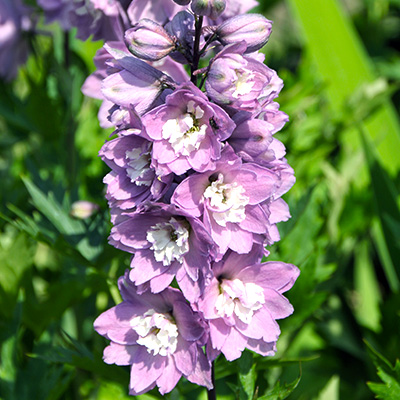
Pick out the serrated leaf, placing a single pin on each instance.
(390, 375)
(389, 390)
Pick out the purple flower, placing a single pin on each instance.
(159, 336)
(187, 132)
(133, 82)
(243, 301)
(241, 82)
(230, 199)
(167, 242)
(132, 179)
(93, 83)
(14, 20)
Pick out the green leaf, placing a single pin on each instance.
(280, 392)
(10, 338)
(15, 260)
(299, 242)
(367, 292)
(114, 391)
(343, 64)
(247, 376)
(331, 389)
(87, 240)
(385, 196)
(77, 355)
(390, 375)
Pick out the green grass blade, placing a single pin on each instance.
(344, 65)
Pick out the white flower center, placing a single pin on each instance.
(138, 166)
(158, 332)
(227, 201)
(169, 241)
(185, 132)
(239, 298)
(244, 83)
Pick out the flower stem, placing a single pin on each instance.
(196, 49)
(212, 394)
(209, 40)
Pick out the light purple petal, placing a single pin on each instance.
(145, 371)
(169, 378)
(202, 373)
(234, 345)
(145, 267)
(120, 354)
(219, 333)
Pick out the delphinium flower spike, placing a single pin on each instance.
(194, 190)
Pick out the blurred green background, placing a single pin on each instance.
(340, 62)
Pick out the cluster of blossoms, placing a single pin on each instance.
(195, 184)
(194, 190)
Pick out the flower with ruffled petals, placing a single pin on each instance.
(167, 242)
(229, 201)
(132, 180)
(243, 301)
(158, 335)
(187, 131)
(240, 81)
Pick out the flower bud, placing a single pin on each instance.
(182, 2)
(209, 8)
(83, 209)
(254, 29)
(149, 41)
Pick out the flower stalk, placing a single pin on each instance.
(196, 49)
